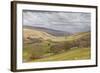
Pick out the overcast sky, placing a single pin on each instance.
(64, 21)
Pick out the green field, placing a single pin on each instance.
(42, 46)
(75, 54)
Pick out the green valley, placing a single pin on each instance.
(43, 46)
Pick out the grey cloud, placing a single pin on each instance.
(64, 21)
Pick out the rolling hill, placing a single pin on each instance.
(40, 45)
(49, 31)
(42, 35)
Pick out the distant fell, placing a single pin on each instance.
(50, 31)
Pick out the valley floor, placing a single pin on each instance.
(74, 54)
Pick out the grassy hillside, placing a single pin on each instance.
(74, 54)
(42, 46)
(41, 35)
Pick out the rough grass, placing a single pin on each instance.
(74, 54)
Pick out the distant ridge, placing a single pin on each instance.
(50, 31)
